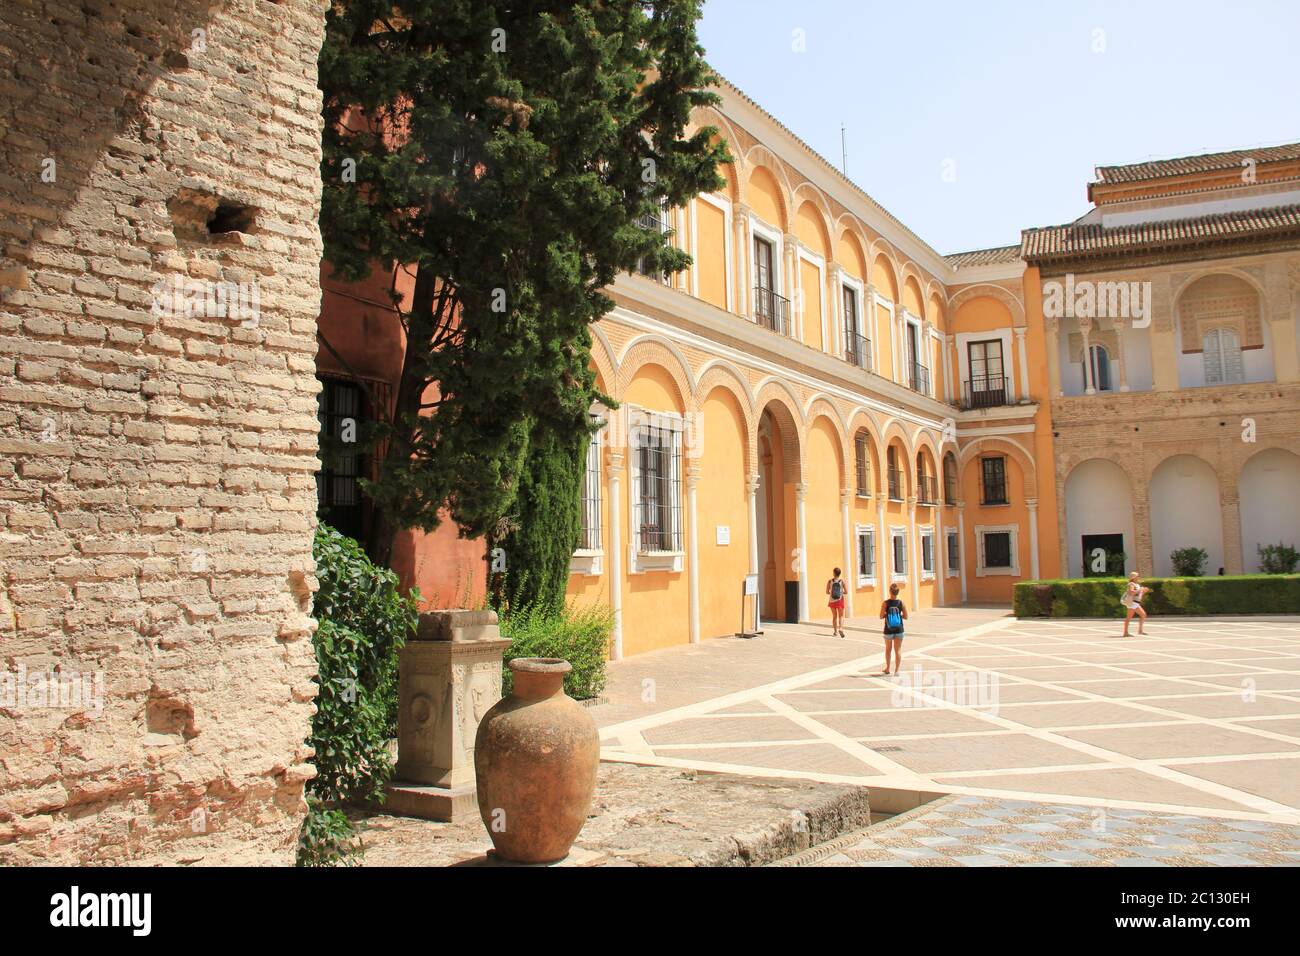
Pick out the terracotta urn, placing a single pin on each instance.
(535, 760)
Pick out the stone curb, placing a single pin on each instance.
(821, 851)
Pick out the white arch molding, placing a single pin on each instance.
(1098, 501)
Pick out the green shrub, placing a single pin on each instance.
(327, 837)
(1278, 558)
(1114, 566)
(580, 636)
(1099, 597)
(363, 621)
(1189, 562)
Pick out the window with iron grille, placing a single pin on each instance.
(340, 409)
(657, 221)
(997, 549)
(899, 541)
(954, 552)
(927, 552)
(590, 537)
(949, 479)
(993, 481)
(862, 464)
(658, 447)
(866, 553)
(895, 475)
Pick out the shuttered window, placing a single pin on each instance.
(1222, 352)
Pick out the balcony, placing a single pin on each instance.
(927, 490)
(895, 484)
(986, 391)
(771, 310)
(857, 350)
(918, 378)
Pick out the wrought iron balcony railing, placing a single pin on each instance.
(986, 391)
(771, 310)
(927, 490)
(895, 484)
(857, 349)
(918, 378)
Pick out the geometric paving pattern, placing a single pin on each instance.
(984, 831)
(1199, 717)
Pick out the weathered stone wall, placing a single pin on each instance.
(156, 467)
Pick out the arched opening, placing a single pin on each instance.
(1099, 519)
(895, 476)
(1269, 495)
(1185, 512)
(778, 473)
(1099, 368)
(1222, 336)
(950, 486)
(862, 467)
(927, 485)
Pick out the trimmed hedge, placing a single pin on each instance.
(1099, 597)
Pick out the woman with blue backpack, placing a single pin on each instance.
(836, 591)
(893, 612)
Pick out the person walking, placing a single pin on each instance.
(836, 591)
(1132, 601)
(893, 612)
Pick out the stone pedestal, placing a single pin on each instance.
(449, 676)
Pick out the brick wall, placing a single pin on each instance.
(156, 462)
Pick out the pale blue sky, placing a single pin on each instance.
(1012, 92)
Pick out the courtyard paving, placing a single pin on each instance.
(1198, 719)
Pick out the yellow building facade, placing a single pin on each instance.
(822, 389)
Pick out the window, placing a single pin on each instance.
(988, 384)
(895, 475)
(993, 481)
(590, 538)
(655, 222)
(1222, 352)
(927, 553)
(949, 479)
(866, 538)
(857, 347)
(339, 408)
(927, 492)
(998, 553)
(918, 375)
(862, 464)
(1099, 368)
(954, 554)
(898, 541)
(657, 484)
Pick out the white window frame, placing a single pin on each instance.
(896, 574)
(927, 532)
(983, 572)
(859, 290)
(952, 547)
(859, 532)
(590, 561)
(912, 320)
(638, 561)
(1239, 360)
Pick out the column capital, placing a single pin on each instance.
(752, 483)
(614, 464)
(743, 210)
(801, 491)
(1031, 504)
(1020, 331)
(846, 497)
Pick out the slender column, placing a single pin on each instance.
(1086, 329)
(692, 553)
(961, 547)
(1023, 391)
(743, 257)
(614, 468)
(794, 285)
(1054, 357)
(1032, 505)
(751, 488)
(850, 570)
(801, 495)
(913, 536)
(835, 312)
(951, 367)
(1119, 325)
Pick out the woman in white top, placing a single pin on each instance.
(1132, 600)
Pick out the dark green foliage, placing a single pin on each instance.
(327, 837)
(1189, 562)
(1099, 597)
(1277, 558)
(511, 149)
(364, 620)
(580, 636)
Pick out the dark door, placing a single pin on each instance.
(988, 384)
(1112, 547)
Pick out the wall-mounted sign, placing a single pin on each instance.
(724, 534)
